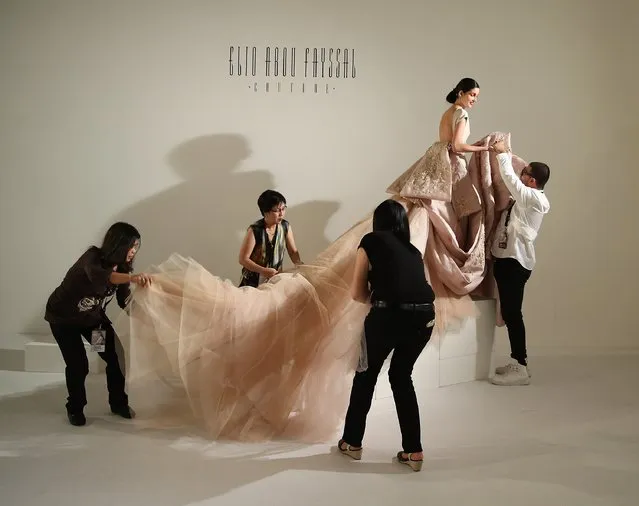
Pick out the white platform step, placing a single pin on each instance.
(39, 353)
(12, 351)
(44, 356)
(459, 356)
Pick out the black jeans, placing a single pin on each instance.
(407, 333)
(511, 278)
(69, 339)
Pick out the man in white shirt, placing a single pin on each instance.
(514, 254)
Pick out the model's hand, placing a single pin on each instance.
(499, 147)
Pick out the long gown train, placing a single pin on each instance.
(276, 361)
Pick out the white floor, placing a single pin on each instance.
(570, 438)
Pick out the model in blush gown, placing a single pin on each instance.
(276, 361)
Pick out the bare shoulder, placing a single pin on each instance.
(458, 111)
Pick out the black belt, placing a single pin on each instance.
(404, 306)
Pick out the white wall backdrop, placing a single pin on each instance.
(125, 110)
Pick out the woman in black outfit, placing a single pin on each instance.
(389, 272)
(77, 309)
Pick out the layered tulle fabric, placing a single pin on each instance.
(460, 225)
(277, 361)
(495, 198)
(430, 177)
(249, 364)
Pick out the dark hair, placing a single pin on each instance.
(465, 85)
(390, 216)
(117, 242)
(541, 173)
(269, 199)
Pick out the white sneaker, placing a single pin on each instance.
(515, 374)
(505, 368)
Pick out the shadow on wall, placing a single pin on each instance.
(206, 216)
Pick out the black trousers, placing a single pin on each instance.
(511, 279)
(407, 333)
(69, 339)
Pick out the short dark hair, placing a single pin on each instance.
(117, 242)
(465, 85)
(390, 216)
(268, 200)
(541, 173)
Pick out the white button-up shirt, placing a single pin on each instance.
(526, 216)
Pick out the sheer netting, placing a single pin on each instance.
(249, 363)
(276, 362)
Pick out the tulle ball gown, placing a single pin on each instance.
(276, 362)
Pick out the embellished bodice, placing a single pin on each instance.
(441, 174)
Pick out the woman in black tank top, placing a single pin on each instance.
(389, 273)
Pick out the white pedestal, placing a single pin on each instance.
(43, 355)
(456, 357)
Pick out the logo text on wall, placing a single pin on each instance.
(277, 69)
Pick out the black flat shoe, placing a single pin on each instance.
(123, 411)
(77, 419)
